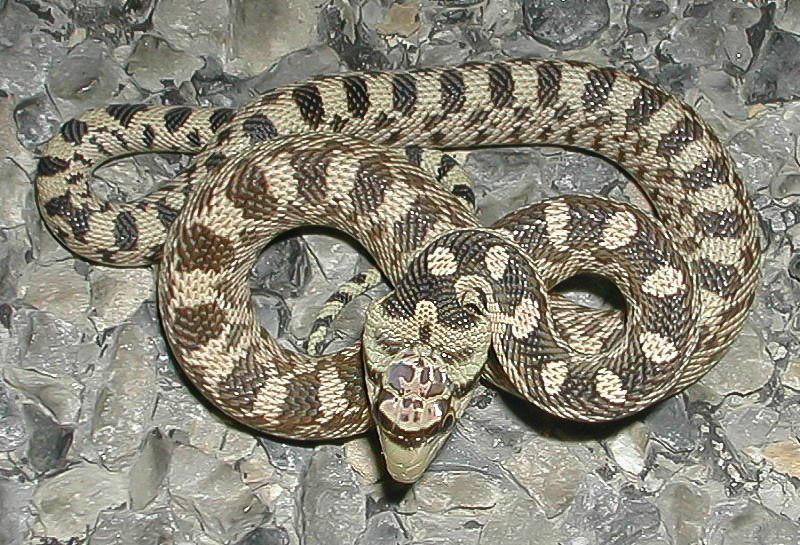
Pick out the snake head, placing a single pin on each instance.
(418, 385)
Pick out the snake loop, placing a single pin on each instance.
(273, 164)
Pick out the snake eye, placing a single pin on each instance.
(389, 343)
(474, 302)
(472, 309)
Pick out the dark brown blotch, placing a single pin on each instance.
(124, 113)
(309, 103)
(79, 223)
(176, 118)
(74, 130)
(686, 131)
(726, 224)
(258, 128)
(355, 88)
(724, 280)
(450, 313)
(196, 326)
(404, 93)
(59, 206)
(199, 248)
(501, 85)
(148, 136)
(166, 214)
(446, 164)
(301, 403)
(77, 218)
(598, 88)
(549, 82)
(413, 228)
(311, 173)
(396, 306)
(453, 91)
(126, 232)
(224, 135)
(215, 160)
(248, 190)
(649, 101)
(372, 180)
(219, 118)
(50, 166)
(465, 193)
(712, 171)
(194, 139)
(414, 154)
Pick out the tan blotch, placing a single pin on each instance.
(717, 198)
(270, 403)
(657, 348)
(496, 262)
(664, 282)
(425, 312)
(442, 262)
(619, 231)
(586, 344)
(334, 99)
(554, 373)
(206, 360)
(712, 304)
(525, 318)
(556, 216)
(725, 251)
(332, 394)
(195, 287)
(609, 386)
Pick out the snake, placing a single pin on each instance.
(328, 152)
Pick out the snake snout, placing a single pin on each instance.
(415, 405)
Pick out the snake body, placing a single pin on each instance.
(265, 167)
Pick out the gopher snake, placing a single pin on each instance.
(459, 288)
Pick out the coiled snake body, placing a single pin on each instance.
(299, 155)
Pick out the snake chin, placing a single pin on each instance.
(405, 463)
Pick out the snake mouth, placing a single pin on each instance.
(411, 430)
(407, 463)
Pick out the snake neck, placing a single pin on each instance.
(426, 344)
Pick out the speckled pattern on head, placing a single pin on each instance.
(686, 307)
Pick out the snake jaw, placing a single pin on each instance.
(406, 463)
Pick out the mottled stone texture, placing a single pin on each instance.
(102, 440)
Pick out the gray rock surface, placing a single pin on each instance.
(103, 441)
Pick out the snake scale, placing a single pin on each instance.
(329, 152)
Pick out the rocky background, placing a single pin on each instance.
(101, 439)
